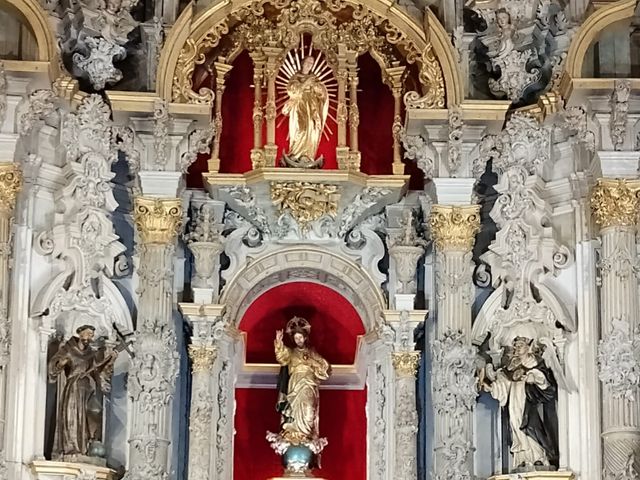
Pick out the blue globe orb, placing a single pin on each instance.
(297, 459)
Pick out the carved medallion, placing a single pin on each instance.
(305, 202)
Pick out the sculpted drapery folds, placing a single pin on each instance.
(525, 385)
(307, 109)
(87, 371)
(302, 371)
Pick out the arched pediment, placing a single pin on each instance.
(329, 22)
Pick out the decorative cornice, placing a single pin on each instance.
(406, 363)
(616, 202)
(158, 220)
(454, 228)
(202, 357)
(10, 185)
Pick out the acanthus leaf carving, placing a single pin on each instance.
(97, 64)
(619, 360)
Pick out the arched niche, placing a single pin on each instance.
(193, 36)
(312, 264)
(32, 16)
(589, 33)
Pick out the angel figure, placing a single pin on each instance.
(527, 387)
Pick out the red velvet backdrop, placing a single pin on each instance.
(336, 326)
(375, 104)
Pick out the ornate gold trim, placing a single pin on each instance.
(183, 46)
(405, 363)
(35, 18)
(158, 220)
(616, 202)
(454, 228)
(202, 357)
(10, 185)
(306, 202)
(589, 33)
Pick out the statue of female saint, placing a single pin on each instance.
(79, 414)
(302, 371)
(307, 109)
(527, 388)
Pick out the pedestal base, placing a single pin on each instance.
(535, 476)
(46, 470)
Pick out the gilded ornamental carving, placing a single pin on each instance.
(455, 228)
(158, 220)
(616, 202)
(406, 363)
(202, 357)
(306, 202)
(10, 185)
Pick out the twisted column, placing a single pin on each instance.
(453, 230)
(616, 205)
(155, 366)
(10, 184)
(222, 70)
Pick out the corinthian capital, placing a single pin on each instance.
(158, 219)
(454, 228)
(406, 363)
(202, 357)
(616, 202)
(10, 185)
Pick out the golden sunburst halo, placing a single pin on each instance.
(321, 69)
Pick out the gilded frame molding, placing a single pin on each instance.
(190, 28)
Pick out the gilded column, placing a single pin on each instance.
(453, 231)
(342, 114)
(354, 114)
(271, 72)
(257, 153)
(405, 365)
(394, 77)
(10, 184)
(222, 70)
(616, 206)
(154, 368)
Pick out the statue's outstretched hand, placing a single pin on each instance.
(279, 335)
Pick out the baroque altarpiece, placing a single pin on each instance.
(331, 239)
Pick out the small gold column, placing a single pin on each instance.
(222, 70)
(257, 153)
(395, 78)
(342, 114)
(271, 72)
(616, 205)
(406, 418)
(354, 113)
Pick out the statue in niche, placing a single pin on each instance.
(307, 107)
(302, 371)
(85, 372)
(526, 386)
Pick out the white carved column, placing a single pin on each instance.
(616, 205)
(154, 369)
(10, 184)
(208, 328)
(453, 230)
(405, 365)
(206, 244)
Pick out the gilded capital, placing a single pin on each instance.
(406, 363)
(10, 185)
(616, 202)
(202, 357)
(158, 219)
(454, 228)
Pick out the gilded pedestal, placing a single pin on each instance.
(46, 470)
(535, 476)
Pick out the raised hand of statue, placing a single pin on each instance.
(279, 335)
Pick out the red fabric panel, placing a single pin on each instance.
(342, 421)
(335, 324)
(236, 140)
